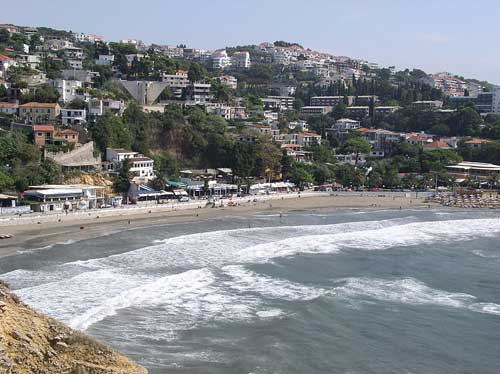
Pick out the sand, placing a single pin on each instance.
(42, 231)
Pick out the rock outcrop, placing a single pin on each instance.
(31, 343)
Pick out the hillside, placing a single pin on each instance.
(33, 343)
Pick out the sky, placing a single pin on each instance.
(459, 36)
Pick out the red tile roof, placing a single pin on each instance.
(43, 128)
(5, 58)
(38, 105)
(8, 105)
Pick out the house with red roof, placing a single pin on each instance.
(39, 112)
(5, 63)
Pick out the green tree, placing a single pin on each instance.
(121, 184)
(356, 145)
(196, 72)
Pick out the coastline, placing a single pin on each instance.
(43, 231)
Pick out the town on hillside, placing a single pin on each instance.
(87, 123)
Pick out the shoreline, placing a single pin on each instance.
(28, 234)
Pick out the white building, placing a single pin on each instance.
(229, 81)
(176, 82)
(134, 56)
(9, 108)
(5, 63)
(220, 59)
(142, 167)
(73, 116)
(31, 61)
(240, 60)
(98, 107)
(105, 60)
(89, 38)
(74, 53)
(75, 64)
(67, 89)
(307, 139)
(496, 100)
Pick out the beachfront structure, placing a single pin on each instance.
(475, 170)
(53, 199)
(142, 194)
(82, 159)
(140, 166)
(273, 187)
(210, 188)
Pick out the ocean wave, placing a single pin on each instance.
(484, 254)
(410, 291)
(244, 280)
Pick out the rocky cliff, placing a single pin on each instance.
(33, 343)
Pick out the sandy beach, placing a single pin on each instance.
(41, 231)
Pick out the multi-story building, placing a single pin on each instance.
(427, 104)
(73, 116)
(74, 53)
(98, 107)
(382, 140)
(496, 100)
(43, 134)
(176, 82)
(285, 102)
(328, 100)
(105, 60)
(200, 93)
(240, 60)
(446, 82)
(364, 100)
(382, 110)
(89, 38)
(341, 128)
(358, 112)
(229, 81)
(68, 89)
(5, 63)
(315, 110)
(220, 59)
(39, 112)
(142, 167)
(31, 61)
(9, 108)
(308, 139)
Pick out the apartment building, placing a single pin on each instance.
(358, 112)
(240, 60)
(73, 116)
(39, 112)
(315, 110)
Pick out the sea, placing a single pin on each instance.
(345, 291)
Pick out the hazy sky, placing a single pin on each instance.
(460, 36)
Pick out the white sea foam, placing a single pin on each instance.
(406, 291)
(410, 291)
(485, 254)
(271, 313)
(244, 280)
(220, 287)
(488, 308)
